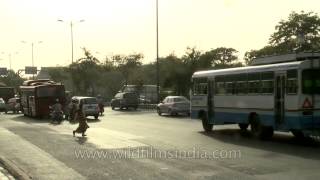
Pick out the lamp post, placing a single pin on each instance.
(71, 32)
(32, 46)
(157, 32)
(10, 58)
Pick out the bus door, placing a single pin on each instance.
(210, 101)
(279, 106)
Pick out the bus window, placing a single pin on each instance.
(230, 87)
(267, 82)
(219, 85)
(254, 83)
(311, 81)
(241, 85)
(200, 87)
(292, 82)
(230, 84)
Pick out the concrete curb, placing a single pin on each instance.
(14, 170)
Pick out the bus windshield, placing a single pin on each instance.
(311, 81)
(50, 91)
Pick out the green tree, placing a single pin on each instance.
(300, 32)
(12, 79)
(85, 74)
(127, 64)
(223, 57)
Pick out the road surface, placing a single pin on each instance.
(142, 145)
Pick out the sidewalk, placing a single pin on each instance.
(4, 174)
(35, 162)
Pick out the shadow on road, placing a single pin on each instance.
(30, 120)
(280, 143)
(81, 140)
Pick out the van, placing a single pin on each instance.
(90, 105)
(125, 100)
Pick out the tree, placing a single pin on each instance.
(85, 73)
(300, 32)
(12, 79)
(127, 64)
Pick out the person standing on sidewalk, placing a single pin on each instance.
(83, 126)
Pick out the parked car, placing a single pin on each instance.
(125, 100)
(2, 105)
(13, 105)
(174, 105)
(90, 105)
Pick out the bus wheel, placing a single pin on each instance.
(257, 129)
(243, 126)
(205, 124)
(298, 134)
(267, 132)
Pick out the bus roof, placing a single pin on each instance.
(41, 85)
(248, 69)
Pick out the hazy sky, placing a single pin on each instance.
(127, 26)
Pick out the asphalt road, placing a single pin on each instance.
(142, 145)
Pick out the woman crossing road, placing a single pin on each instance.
(83, 126)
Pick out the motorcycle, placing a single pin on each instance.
(56, 116)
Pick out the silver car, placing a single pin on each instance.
(174, 105)
(90, 105)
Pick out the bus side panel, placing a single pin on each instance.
(237, 109)
(198, 105)
(235, 116)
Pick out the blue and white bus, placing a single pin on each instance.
(282, 96)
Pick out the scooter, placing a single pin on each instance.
(56, 116)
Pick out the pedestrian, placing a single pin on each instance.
(100, 104)
(83, 126)
(72, 110)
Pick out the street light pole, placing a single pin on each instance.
(10, 61)
(71, 33)
(157, 31)
(71, 27)
(32, 54)
(10, 57)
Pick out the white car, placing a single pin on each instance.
(174, 105)
(90, 105)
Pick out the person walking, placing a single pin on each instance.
(83, 126)
(100, 104)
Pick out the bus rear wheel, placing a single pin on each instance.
(243, 126)
(205, 123)
(298, 134)
(258, 130)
